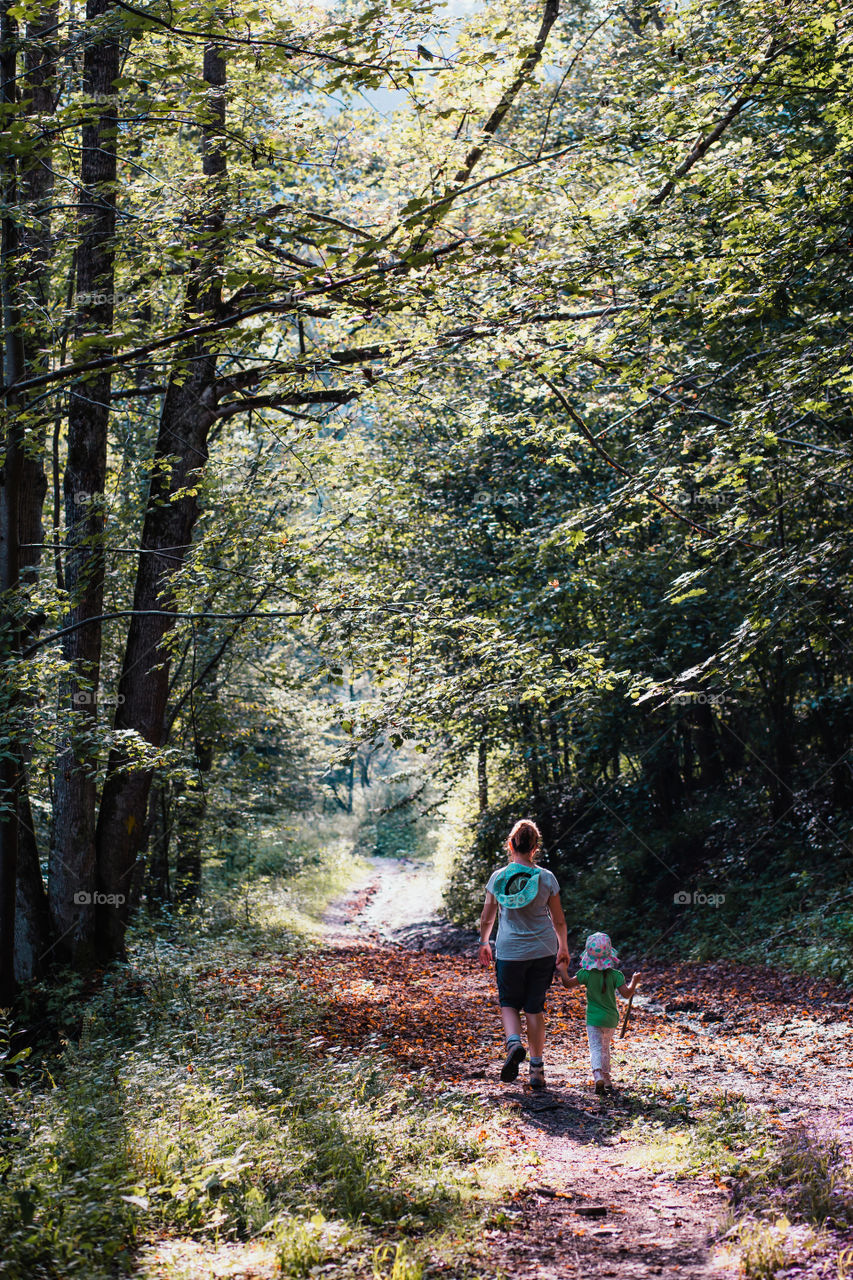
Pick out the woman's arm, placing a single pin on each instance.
(555, 906)
(487, 920)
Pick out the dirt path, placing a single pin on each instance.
(587, 1201)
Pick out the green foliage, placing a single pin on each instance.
(722, 1140)
(785, 1187)
(303, 1245)
(396, 1264)
(617, 543)
(732, 1136)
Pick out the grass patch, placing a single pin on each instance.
(806, 1178)
(766, 1248)
(721, 1141)
(177, 1112)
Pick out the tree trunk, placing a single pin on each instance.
(180, 456)
(707, 747)
(158, 889)
(189, 829)
(32, 914)
(32, 920)
(10, 491)
(530, 751)
(39, 87)
(782, 737)
(72, 853)
(482, 775)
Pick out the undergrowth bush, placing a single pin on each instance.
(788, 1193)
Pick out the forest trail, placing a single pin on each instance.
(583, 1194)
(587, 1201)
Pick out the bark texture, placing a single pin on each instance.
(72, 852)
(189, 409)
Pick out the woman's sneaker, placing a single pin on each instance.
(537, 1076)
(515, 1054)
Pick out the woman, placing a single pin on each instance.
(531, 942)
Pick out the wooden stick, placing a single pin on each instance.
(627, 1015)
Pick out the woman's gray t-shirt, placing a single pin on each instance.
(526, 933)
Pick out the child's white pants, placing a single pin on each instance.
(600, 1039)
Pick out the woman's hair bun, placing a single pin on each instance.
(525, 838)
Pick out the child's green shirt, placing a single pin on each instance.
(601, 1008)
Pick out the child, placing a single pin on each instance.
(598, 973)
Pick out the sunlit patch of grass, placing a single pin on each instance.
(766, 1248)
(303, 1244)
(396, 1263)
(787, 1193)
(721, 1141)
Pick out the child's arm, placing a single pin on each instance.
(567, 979)
(628, 988)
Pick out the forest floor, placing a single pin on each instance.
(720, 1064)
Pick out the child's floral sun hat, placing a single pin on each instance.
(598, 953)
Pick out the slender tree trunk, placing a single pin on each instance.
(72, 853)
(554, 738)
(32, 914)
(36, 184)
(834, 737)
(158, 889)
(32, 922)
(482, 775)
(11, 460)
(531, 751)
(180, 456)
(191, 813)
(364, 769)
(707, 747)
(567, 759)
(782, 731)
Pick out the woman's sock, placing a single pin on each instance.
(536, 1062)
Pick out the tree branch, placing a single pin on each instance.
(623, 471)
(705, 143)
(233, 407)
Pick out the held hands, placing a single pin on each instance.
(563, 974)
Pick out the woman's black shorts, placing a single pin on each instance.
(523, 984)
